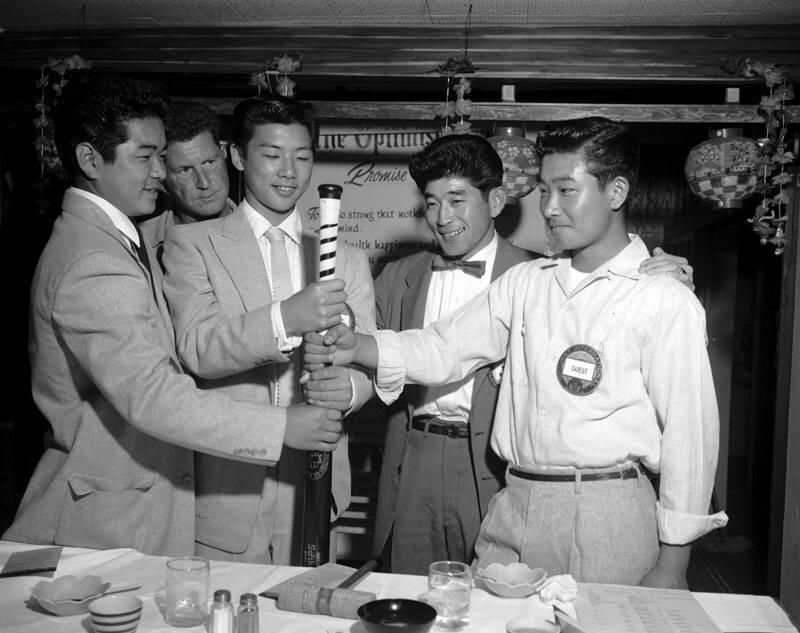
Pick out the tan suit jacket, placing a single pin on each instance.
(118, 469)
(220, 297)
(155, 229)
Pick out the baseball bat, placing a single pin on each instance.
(317, 490)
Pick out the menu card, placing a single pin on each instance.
(31, 561)
(623, 609)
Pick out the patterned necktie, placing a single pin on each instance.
(475, 268)
(281, 284)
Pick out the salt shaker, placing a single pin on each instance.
(247, 615)
(220, 617)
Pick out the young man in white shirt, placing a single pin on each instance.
(239, 315)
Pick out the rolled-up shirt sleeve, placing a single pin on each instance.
(678, 376)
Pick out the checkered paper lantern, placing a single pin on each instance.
(520, 164)
(723, 169)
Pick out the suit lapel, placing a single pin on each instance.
(415, 293)
(87, 211)
(416, 283)
(239, 254)
(503, 259)
(309, 247)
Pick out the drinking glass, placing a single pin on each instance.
(449, 589)
(187, 591)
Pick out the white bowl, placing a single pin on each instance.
(515, 580)
(115, 614)
(68, 595)
(531, 625)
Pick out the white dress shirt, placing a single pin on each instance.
(449, 290)
(123, 223)
(293, 229)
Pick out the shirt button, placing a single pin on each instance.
(187, 479)
(543, 413)
(568, 307)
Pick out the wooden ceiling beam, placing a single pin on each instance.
(636, 54)
(723, 114)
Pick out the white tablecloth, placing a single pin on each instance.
(488, 613)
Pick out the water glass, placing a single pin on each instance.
(187, 591)
(449, 589)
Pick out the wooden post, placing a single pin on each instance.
(784, 545)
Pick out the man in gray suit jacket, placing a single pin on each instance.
(238, 339)
(438, 470)
(118, 469)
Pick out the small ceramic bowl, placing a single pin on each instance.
(515, 580)
(116, 613)
(531, 625)
(393, 615)
(68, 595)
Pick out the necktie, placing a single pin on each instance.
(281, 289)
(144, 258)
(141, 251)
(475, 268)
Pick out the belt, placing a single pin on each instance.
(628, 473)
(431, 424)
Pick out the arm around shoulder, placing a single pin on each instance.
(103, 311)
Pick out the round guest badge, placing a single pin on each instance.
(580, 370)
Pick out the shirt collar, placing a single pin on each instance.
(118, 218)
(623, 264)
(291, 224)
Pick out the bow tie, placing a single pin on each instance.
(474, 268)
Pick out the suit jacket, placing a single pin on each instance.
(220, 298)
(155, 229)
(118, 469)
(401, 291)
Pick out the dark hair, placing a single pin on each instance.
(608, 147)
(96, 109)
(259, 111)
(458, 155)
(187, 119)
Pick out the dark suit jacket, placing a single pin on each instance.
(401, 291)
(118, 469)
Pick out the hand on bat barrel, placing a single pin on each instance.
(329, 387)
(312, 428)
(334, 347)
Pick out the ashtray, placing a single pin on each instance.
(515, 580)
(394, 615)
(68, 595)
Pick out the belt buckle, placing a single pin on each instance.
(452, 431)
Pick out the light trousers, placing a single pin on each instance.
(597, 531)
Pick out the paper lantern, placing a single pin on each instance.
(520, 164)
(723, 169)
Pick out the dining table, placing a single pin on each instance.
(20, 612)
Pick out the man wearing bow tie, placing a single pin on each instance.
(439, 471)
